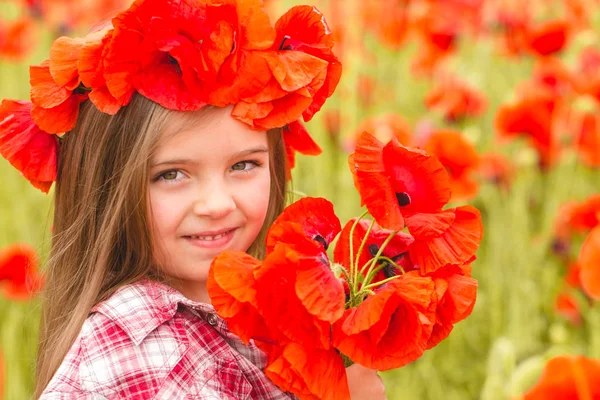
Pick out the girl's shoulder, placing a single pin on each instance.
(149, 341)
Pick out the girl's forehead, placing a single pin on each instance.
(208, 130)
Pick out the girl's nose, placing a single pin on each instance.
(215, 202)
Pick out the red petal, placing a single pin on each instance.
(64, 54)
(297, 137)
(231, 287)
(309, 373)
(291, 309)
(315, 217)
(59, 119)
(373, 184)
(391, 328)
(589, 261)
(29, 149)
(18, 271)
(422, 177)
(45, 92)
(457, 245)
(567, 377)
(424, 226)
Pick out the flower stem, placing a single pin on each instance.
(352, 265)
(360, 249)
(376, 284)
(373, 262)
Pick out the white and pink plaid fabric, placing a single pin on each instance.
(147, 341)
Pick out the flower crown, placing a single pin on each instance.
(183, 55)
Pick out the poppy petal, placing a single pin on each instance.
(45, 92)
(316, 220)
(30, 150)
(457, 245)
(309, 373)
(589, 262)
(19, 277)
(59, 119)
(64, 54)
(391, 328)
(373, 184)
(231, 287)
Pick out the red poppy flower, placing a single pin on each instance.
(578, 217)
(572, 278)
(460, 159)
(19, 277)
(30, 150)
(308, 373)
(566, 306)
(448, 237)
(17, 38)
(55, 92)
(91, 71)
(309, 217)
(303, 28)
(456, 291)
(496, 168)
(455, 99)
(551, 75)
(587, 138)
(298, 293)
(393, 180)
(567, 377)
(231, 287)
(396, 249)
(391, 328)
(167, 52)
(532, 117)
(295, 78)
(383, 127)
(587, 78)
(548, 38)
(589, 260)
(388, 19)
(297, 139)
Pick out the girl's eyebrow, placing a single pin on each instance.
(254, 150)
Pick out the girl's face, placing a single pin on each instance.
(208, 192)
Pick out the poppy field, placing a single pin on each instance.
(503, 94)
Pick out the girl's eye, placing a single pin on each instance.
(244, 165)
(170, 176)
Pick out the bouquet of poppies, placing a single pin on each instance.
(387, 295)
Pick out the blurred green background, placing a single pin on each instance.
(497, 352)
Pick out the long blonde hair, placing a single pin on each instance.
(100, 238)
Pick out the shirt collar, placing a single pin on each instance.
(141, 307)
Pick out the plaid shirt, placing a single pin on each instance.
(148, 341)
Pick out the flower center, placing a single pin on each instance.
(403, 199)
(285, 39)
(321, 240)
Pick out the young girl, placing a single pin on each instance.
(149, 193)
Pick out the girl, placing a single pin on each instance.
(152, 183)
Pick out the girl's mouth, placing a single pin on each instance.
(212, 241)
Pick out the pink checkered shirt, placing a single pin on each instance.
(148, 341)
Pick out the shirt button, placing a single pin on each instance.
(212, 319)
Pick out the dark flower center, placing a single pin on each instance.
(403, 199)
(282, 44)
(373, 249)
(174, 62)
(321, 240)
(81, 89)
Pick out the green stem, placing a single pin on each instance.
(360, 249)
(376, 284)
(352, 266)
(375, 259)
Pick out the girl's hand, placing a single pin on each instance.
(364, 384)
